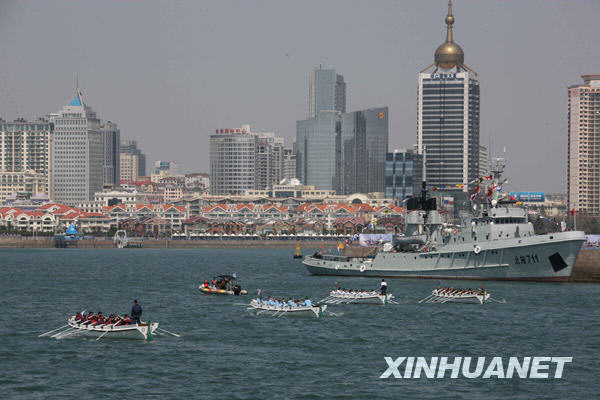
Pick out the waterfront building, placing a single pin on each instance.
(448, 116)
(77, 158)
(363, 148)
(135, 167)
(318, 150)
(583, 146)
(403, 174)
(327, 92)
(289, 164)
(25, 155)
(111, 141)
(290, 188)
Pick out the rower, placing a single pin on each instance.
(383, 287)
(307, 302)
(136, 312)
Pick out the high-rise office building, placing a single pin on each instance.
(111, 141)
(448, 116)
(583, 146)
(327, 92)
(233, 154)
(24, 157)
(403, 174)
(77, 157)
(132, 161)
(363, 148)
(318, 151)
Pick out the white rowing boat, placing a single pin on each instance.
(444, 297)
(74, 328)
(301, 311)
(337, 297)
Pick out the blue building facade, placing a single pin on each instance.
(403, 174)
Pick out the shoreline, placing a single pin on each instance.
(49, 243)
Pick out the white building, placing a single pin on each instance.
(583, 146)
(77, 157)
(24, 157)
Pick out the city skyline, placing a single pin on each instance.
(166, 73)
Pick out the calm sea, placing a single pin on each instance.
(225, 352)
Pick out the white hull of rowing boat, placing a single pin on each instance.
(469, 299)
(376, 299)
(137, 331)
(313, 311)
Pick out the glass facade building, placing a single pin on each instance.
(317, 150)
(111, 142)
(363, 148)
(327, 92)
(403, 174)
(448, 127)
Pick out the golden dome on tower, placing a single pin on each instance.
(449, 54)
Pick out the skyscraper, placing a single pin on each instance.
(363, 148)
(583, 146)
(327, 92)
(77, 157)
(111, 141)
(448, 116)
(318, 150)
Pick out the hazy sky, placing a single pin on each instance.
(170, 73)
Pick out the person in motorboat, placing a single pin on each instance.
(206, 283)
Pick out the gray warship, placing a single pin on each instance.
(494, 240)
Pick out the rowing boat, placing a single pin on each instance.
(301, 311)
(112, 331)
(336, 297)
(443, 297)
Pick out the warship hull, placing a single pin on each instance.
(541, 258)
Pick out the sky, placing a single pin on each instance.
(170, 73)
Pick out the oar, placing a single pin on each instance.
(65, 331)
(332, 313)
(170, 333)
(100, 337)
(282, 314)
(53, 330)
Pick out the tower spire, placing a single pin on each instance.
(449, 23)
